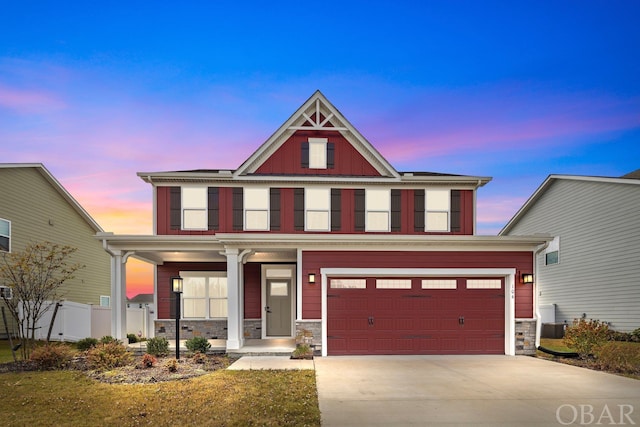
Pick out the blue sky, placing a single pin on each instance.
(516, 91)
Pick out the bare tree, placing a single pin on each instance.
(35, 276)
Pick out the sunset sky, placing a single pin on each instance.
(99, 91)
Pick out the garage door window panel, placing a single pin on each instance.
(348, 283)
(393, 284)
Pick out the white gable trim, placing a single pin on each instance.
(310, 112)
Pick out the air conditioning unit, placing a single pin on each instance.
(6, 292)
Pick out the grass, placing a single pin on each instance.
(229, 398)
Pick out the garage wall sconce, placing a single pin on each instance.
(312, 278)
(527, 278)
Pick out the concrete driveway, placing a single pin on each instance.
(470, 390)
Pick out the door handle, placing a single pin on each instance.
(461, 320)
(267, 309)
(370, 320)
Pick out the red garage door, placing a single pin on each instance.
(415, 316)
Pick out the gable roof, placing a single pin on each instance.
(553, 178)
(59, 188)
(317, 113)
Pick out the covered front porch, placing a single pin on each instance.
(255, 313)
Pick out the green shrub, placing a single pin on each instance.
(132, 338)
(107, 339)
(586, 336)
(108, 356)
(635, 335)
(198, 345)
(86, 343)
(618, 357)
(52, 356)
(302, 351)
(158, 346)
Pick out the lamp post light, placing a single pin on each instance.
(176, 285)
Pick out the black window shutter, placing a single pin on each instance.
(238, 209)
(213, 207)
(455, 210)
(274, 206)
(396, 219)
(418, 210)
(175, 208)
(336, 209)
(298, 209)
(331, 156)
(359, 221)
(305, 154)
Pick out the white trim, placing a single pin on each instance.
(298, 312)
(509, 284)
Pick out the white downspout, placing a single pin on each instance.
(535, 293)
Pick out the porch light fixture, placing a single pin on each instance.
(312, 278)
(527, 278)
(176, 286)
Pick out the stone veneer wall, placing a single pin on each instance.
(210, 329)
(526, 336)
(253, 329)
(315, 326)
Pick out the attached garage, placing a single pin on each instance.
(415, 315)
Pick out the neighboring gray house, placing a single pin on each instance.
(592, 267)
(35, 207)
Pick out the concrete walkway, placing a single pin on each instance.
(470, 390)
(270, 362)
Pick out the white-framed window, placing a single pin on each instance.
(317, 209)
(439, 284)
(256, 209)
(348, 283)
(105, 301)
(484, 283)
(318, 153)
(393, 283)
(437, 210)
(204, 294)
(194, 208)
(552, 252)
(378, 207)
(5, 235)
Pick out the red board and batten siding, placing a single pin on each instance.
(287, 214)
(252, 285)
(313, 261)
(287, 159)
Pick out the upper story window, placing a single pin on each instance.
(256, 209)
(194, 208)
(378, 206)
(5, 235)
(437, 207)
(317, 204)
(318, 153)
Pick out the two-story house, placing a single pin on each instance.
(317, 231)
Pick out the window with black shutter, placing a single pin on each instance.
(298, 209)
(175, 208)
(359, 211)
(274, 205)
(456, 208)
(213, 208)
(238, 209)
(336, 209)
(418, 210)
(396, 219)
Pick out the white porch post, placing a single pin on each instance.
(118, 296)
(234, 313)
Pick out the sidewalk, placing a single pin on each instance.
(270, 362)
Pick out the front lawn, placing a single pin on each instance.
(229, 398)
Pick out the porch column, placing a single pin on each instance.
(234, 331)
(119, 296)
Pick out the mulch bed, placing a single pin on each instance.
(136, 373)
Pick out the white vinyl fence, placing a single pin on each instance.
(140, 320)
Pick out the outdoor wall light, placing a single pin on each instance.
(312, 278)
(527, 278)
(176, 286)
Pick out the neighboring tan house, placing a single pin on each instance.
(317, 231)
(592, 267)
(34, 207)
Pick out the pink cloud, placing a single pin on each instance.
(29, 101)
